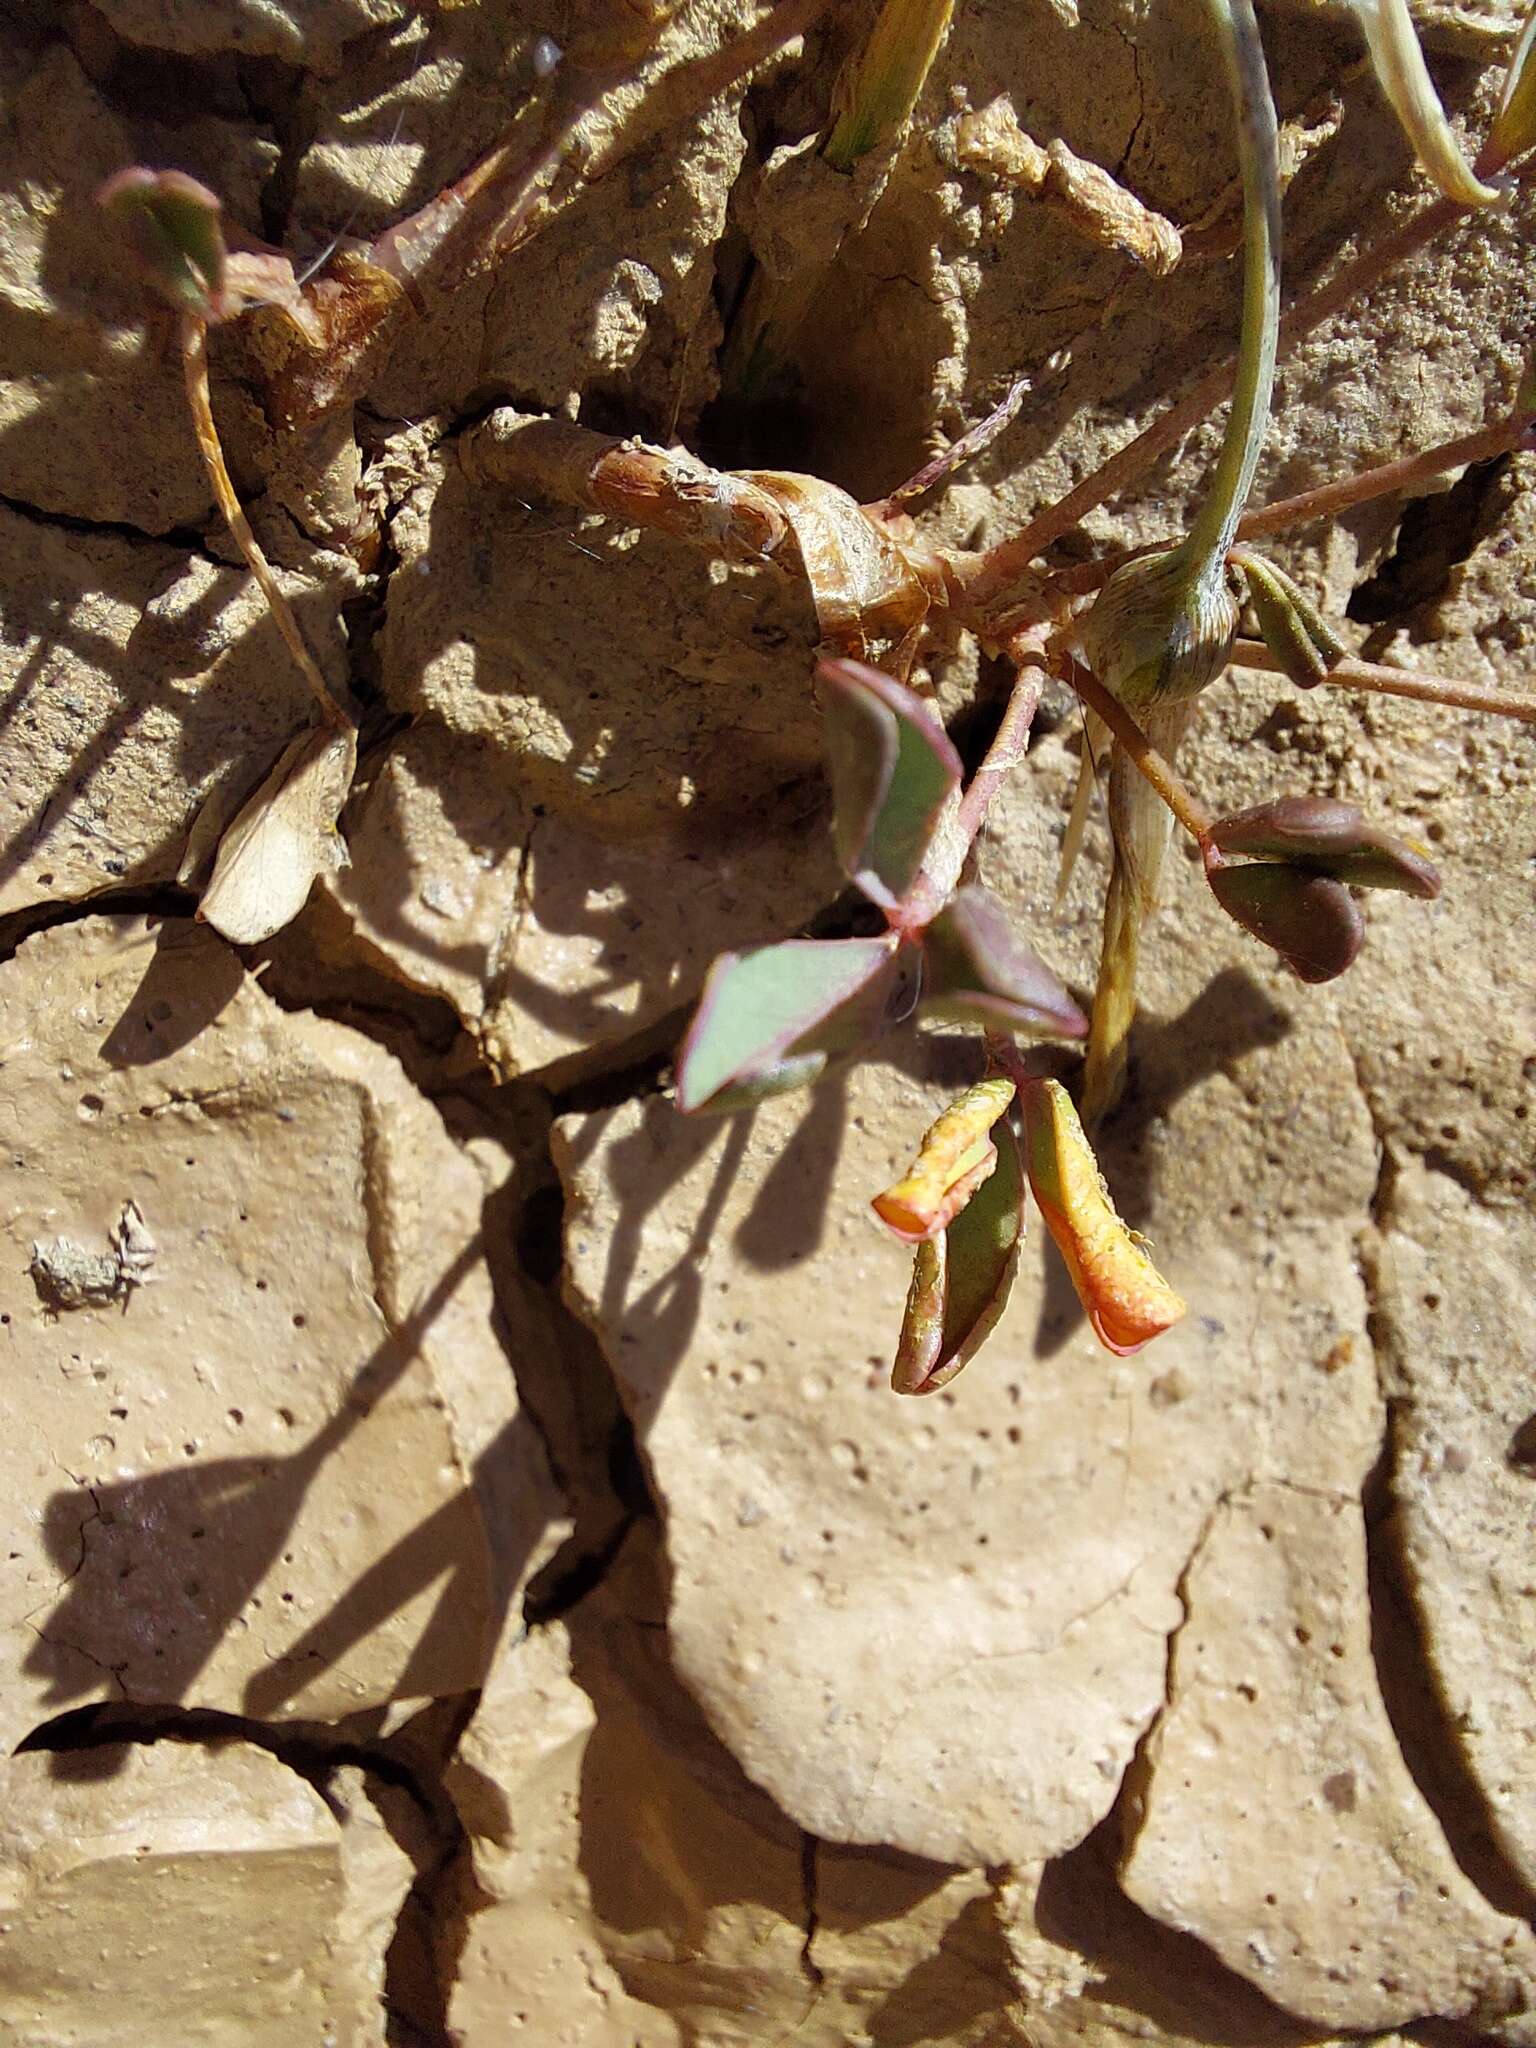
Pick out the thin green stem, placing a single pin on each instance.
(1259, 149)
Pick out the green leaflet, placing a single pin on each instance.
(770, 1019)
(977, 971)
(1291, 626)
(173, 223)
(894, 774)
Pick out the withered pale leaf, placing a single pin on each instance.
(865, 585)
(284, 836)
(1404, 77)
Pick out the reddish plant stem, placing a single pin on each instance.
(1139, 750)
(1010, 559)
(940, 873)
(194, 358)
(497, 195)
(969, 445)
(1009, 1061)
(1008, 747)
(1326, 501)
(1401, 682)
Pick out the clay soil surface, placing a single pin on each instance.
(467, 1578)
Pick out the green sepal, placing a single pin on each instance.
(1290, 625)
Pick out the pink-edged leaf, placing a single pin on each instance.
(962, 1277)
(894, 774)
(771, 1019)
(977, 970)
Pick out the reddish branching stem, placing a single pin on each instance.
(1401, 682)
(1008, 747)
(1153, 766)
(1010, 560)
(1327, 501)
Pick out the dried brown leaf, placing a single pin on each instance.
(284, 836)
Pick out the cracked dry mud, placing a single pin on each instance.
(479, 1586)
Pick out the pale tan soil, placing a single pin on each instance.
(473, 1583)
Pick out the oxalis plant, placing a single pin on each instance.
(1137, 638)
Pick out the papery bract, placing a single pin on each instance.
(282, 838)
